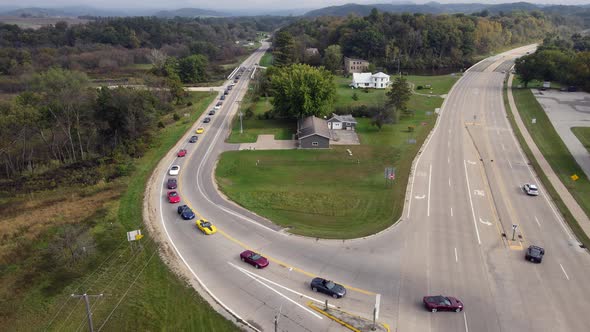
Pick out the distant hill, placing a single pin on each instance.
(65, 12)
(190, 12)
(427, 8)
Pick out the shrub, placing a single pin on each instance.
(176, 117)
(419, 87)
(355, 97)
(190, 103)
(161, 124)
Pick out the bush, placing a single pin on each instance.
(176, 117)
(190, 103)
(249, 112)
(419, 87)
(355, 97)
(161, 124)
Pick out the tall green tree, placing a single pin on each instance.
(397, 100)
(65, 99)
(193, 69)
(333, 58)
(301, 90)
(283, 49)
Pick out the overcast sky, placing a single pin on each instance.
(235, 4)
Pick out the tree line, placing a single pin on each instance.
(105, 45)
(62, 120)
(563, 60)
(405, 41)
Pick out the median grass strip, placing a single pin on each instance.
(140, 293)
(526, 104)
(583, 134)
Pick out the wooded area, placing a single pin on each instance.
(407, 41)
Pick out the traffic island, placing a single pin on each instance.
(350, 321)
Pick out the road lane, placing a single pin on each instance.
(431, 251)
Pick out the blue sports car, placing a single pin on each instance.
(185, 212)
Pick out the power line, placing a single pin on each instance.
(88, 312)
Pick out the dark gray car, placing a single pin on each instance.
(328, 287)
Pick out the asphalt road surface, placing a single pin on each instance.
(463, 194)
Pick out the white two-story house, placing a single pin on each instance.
(368, 80)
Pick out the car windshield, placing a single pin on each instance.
(329, 284)
(174, 168)
(255, 257)
(172, 194)
(205, 224)
(171, 181)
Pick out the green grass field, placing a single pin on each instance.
(556, 153)
(266, 60)
(252, 127)
(583, 134)
(327, 193)
(140, 293)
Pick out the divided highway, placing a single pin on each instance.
(463, 194)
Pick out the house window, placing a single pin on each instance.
(315, 143)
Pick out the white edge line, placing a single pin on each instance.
(537, 220)
(233, 313)
(451, 212)
(471, 203)
(562, 269)
(529, 167)
(465, 320)
(201, 283)
(254, 277)
(205, 159)
(279, 285)
(432, 133)
(429, 181)
(456, 256)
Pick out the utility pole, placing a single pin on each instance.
(88, 312)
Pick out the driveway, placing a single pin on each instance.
(344, 137)
(567, 110)
(268, 142)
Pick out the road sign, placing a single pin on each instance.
(514, 227)
(134, 235)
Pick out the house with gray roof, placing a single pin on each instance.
(313, 133)
(367, 80)
(344, 122)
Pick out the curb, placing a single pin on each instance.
(341, 322)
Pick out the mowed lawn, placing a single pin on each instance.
(327, 193)
(583, 134)
(552, 147)
(266, 60)
(252, 127)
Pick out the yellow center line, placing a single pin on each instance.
(281, 263)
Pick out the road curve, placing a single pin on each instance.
(463, 194)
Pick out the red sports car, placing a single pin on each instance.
(254, 259)
(181, 153)
(442, 303)
(173, 197)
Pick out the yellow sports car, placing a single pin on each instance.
(200, 130)
(206, 227)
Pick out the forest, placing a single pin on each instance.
(416, 41)
(562, 60)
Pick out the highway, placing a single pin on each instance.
(464, 193)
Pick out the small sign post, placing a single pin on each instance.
(514, 227)
(134, 236)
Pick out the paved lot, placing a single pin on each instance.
(567, 110)
(268, 142)
(344, 137)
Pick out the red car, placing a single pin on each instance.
(181, 153)
(254, 259)
(442, 303)
(173, 197)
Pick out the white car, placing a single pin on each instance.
(174, 170)
(217, 108)
(530, 189)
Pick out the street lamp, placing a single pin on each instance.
(240, 114)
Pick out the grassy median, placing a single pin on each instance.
(583, 134)
(328, 193)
